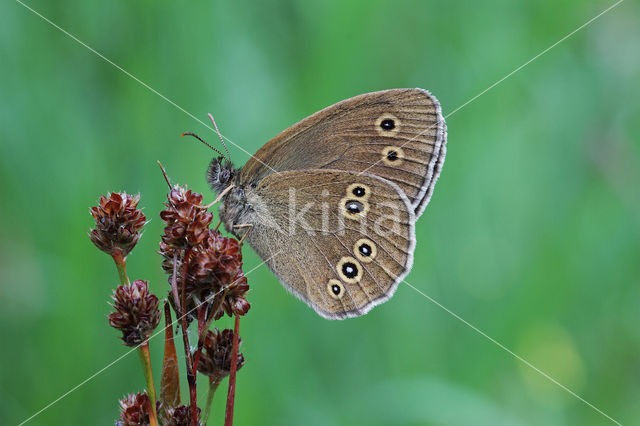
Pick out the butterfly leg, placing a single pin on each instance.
(244, 225)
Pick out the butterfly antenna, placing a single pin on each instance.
(220, 136)
(200, 139)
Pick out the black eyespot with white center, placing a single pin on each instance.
(359, 191)
(393, 155)
(365, 249)
(335, 289)
(353, 206)
(349, 269)
(387, 124)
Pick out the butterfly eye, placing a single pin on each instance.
(349, 270)
(335, 289)
(365, 250)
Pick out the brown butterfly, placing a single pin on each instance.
(330, 204)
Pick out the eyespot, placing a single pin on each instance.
(354, 209)
(359, 191)
(365, 250)
(392, 155)
(353, 206)
(349, 270)
(335, 289)
(387, 125)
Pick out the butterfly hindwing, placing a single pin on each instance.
(340, 241)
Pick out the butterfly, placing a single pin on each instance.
(330, 204)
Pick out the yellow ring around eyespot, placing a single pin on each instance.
(362, 257)
(353, 216)
(396, 122)
(399, 155)
(334, 282)
(349, 259)
(367, 191)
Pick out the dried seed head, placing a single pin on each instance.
(186, 223)
(118, 222)
(235, 301)
(134, 410)
(216, 261)
(180, 416)
(215, 360)
(136, 312)
(214, 277)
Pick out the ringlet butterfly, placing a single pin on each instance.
(330, 204)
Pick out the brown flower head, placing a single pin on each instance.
(216, 261)
(186, 223)
(118, 222)
(234, 297)
(134, 410)
(136, 312)
(214, 277)
(180, 416)
(215, 360)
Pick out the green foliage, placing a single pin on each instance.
(533, 233)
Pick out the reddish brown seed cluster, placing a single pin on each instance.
(118, 222)
(186, 222)
(208, 264)
(136, 312)
(134, 410)
(180, 416)
(215, 361)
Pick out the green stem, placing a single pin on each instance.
(122, 268)
(145, 358)
(213, 385)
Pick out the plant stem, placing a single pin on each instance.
(203, 330)
(228, 418)
(145, 358)
(122, 268)
(191, 377)
(213, 385)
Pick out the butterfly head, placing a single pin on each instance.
(220, 174)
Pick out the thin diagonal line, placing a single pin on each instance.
(503, 347)
(533, 59)
(496, 83)
(127, 73)
(88, 379)
(505, 77)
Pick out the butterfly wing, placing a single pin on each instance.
(397, 134)
(340, 241)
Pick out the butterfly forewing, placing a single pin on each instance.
(397, 134)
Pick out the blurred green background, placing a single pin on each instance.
(533, 233)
